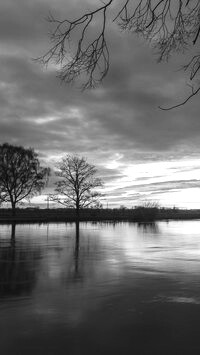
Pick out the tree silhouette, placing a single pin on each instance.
(170, 25)
(21, 175)
(77, 183)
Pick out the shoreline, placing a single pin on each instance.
(34, 215)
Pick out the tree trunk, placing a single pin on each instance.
(13, 204)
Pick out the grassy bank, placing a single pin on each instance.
(139, 214)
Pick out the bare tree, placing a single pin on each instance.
(77, 183)
(170, 26)
(21, 175)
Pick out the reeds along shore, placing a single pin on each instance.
(138, 214)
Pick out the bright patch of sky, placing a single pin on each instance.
(171, 184)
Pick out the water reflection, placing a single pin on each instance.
(148, 227)
(18, 267)
(101, 288)
(76, 254)
(13, 228)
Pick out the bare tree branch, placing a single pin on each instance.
(90, 60)
(77, 183)
(169, 25)
(193, 93)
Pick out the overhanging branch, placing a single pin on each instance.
(169, 25)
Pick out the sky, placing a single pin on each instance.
(142, 153)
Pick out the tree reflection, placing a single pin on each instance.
(79, 265)
(13, 228)
(76, 254)
(18, 266)
(148, 227)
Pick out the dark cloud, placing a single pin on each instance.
(125, 107)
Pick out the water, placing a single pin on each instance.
(123, 289)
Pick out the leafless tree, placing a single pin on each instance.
(21, 175)
(77, 182)
(170, 25)
(150, 204)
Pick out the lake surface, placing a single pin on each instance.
(123, 288)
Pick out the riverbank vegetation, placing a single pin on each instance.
(137, 214)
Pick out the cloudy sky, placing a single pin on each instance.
(142, 152)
